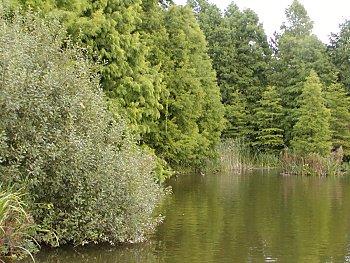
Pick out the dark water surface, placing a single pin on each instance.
(239, 218)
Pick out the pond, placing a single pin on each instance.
(255, 217)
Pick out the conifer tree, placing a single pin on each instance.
(338, 103)
(236, 114)
(311, 133)
(339, 52)
(296, 53)
(192, 115)
(238, 46)
(269, 113)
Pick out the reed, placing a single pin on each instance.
(17, 227)
(313, 164)
(237, 155)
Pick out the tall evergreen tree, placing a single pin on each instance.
(251, 52)
(237, 115)
(269, 113)
(339, 52)
(192, 115)
(240, 52)
(338, 103)
(296, 53)
(311, 133)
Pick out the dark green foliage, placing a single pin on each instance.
(338, 103)
(268, 116)
(86, 179)
(238, 46)
(339, 52)
(311, 133)
(237, 116)
(248, 42)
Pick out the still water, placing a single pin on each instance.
(239, 218)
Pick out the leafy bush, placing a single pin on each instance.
(86, 178)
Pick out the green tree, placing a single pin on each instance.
(251, 53)
(87, 180)
(268, 116)
(296, 53)
(311, 133)
(109, 30)
(238, 46)
(338, 102)
(339, 52)
(192, 115)
(298, 22)
(236, 114)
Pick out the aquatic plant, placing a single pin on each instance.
(313, 163)
(237, 155)
(17, 228)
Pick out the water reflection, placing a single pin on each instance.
(144, 253)
(241, 218)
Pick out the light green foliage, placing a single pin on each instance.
(85, 177)
(338, 103)
(340, 55)
(296, 53)
(298, 22)
(268, 116)
(311, 133)
(109, 30)
(192, 115)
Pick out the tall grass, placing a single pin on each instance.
(313, 164)
(16, 227)
(237, 155)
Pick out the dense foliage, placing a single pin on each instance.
(86, 179)
(150, 59)
(311, 133)
(248, 68)
(89, 141)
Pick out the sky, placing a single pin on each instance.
(326, 14)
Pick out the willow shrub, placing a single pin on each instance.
(86, 179)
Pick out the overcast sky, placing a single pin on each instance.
(326, 14)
